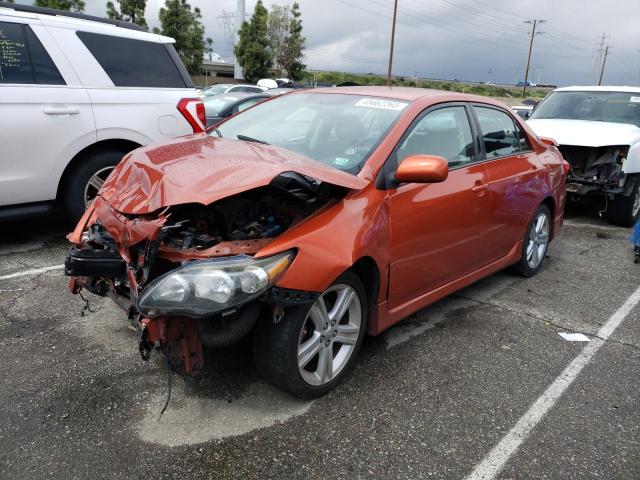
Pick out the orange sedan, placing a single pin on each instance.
(315, 218)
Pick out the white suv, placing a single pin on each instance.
(76, 94)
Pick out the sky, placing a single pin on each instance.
(475, 40)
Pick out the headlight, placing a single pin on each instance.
(204, 287)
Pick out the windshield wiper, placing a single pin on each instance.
(251, 139)
(217, 131)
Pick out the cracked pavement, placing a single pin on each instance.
(428, 398)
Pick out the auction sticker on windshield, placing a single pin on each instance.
(380, 103)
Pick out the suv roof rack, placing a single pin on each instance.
(62, 13)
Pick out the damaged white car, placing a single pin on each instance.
(598, 132)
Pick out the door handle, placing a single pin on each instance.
(60, 110)
(480, 188)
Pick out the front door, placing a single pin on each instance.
(42, 118)
(438, 229)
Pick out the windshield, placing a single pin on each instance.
(616, 107)
(215, 105)
(216, 89)
(335, 129)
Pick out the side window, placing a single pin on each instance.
(44, 69)
(133, 63)
(23, 59)
(501, 136)
(444, 132)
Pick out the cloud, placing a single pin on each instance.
(484, 40)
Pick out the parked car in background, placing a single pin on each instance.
(598, 132)
(219, 107)
(380, 202)
(77, 93)
(523, 111)
(221, 88)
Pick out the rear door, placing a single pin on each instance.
(45, 115)
(134, 83)
(515, 181)
(438, 229)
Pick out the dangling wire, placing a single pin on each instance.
(167, 356)
(86, 307)
(606, 205)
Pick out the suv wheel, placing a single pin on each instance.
(625, 211)
(314, 346)
(85, 180)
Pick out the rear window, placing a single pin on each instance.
(23, 59)
(134, 63)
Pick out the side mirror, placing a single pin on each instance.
(423, 169)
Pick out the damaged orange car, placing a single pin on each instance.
(313, 219)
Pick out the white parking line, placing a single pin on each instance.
(497, 458)
(34, 271)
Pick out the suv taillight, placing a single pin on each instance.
(192, 109)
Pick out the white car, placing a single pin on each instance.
(77, 93)
(598, 132)
(221, 88)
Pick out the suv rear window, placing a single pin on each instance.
(23, 59)
(134, 63)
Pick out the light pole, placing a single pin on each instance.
(237, 69)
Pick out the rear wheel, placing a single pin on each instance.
(311, 350)
(625, 211)
(85, 180)
(536, 243)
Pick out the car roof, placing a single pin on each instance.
(231, 96)
(80, 22)
(410, 94)
(599, 88)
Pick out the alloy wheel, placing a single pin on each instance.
(538, 240)
(94, 184)
(329, 334)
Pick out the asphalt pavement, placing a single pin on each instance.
(470, 378)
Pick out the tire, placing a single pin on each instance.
(276, 347)
(625, 211)
(98, 164)
(537, 239)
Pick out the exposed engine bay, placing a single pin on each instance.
(595, 168)
(211, 248)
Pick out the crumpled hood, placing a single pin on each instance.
(585, 133)
(203, 169)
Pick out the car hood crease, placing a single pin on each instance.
(203, 169)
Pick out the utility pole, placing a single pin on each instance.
(393, 36)
(533, 34)
(604, 62)
(237, 69)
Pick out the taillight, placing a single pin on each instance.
(192, 109)
(566, 166)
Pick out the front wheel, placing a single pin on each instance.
(536, 243)
(313, 347)
(625, 211)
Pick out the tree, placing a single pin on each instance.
(182, 24)
(69, 5)
(286, 41)
(295, 46)
(129, 11)
(253, 51)
(278, 34)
